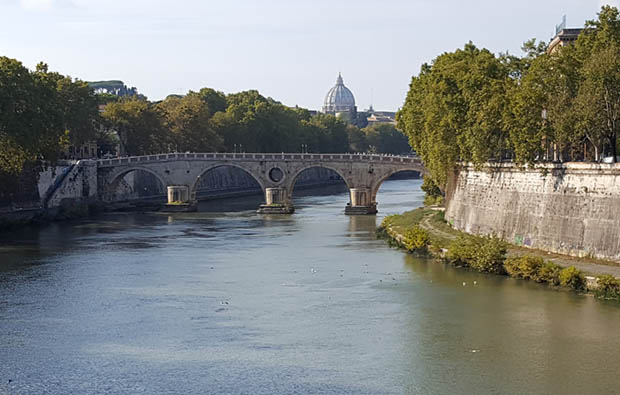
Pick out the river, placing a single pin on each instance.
(233, 302)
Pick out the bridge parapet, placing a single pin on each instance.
(370, 158)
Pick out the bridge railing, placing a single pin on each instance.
(362, 157)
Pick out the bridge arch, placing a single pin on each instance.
(293, 177)
(376, 185)
(245, 169)
(115, 179)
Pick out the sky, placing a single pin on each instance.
(289, 50)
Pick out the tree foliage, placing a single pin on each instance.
(40, 112)
(472, 106)
(453, 111)
(138, 124)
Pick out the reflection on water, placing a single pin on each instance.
(234, 302)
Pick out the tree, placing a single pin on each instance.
(216, 100)
(543, 107)
(187, 121)
(597, 106)
(453, 110)
(357, 139)
(18, 134)
(139, 126)
(42, 111)
(387, 139)
(326, 133)
(598, 102)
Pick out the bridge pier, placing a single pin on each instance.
(276, 202)
(361, 203)
(179, 199)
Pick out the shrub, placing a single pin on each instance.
(432, 191)
(433, 200)
(533, 268)
(484, 254)
(388, 221)
(529, 267)
(415, 238)
(550, 273)
(573, 278)
(462, 250)
(511, 266)
(489, 256)
(608, 287)
(382, 230)
(382, 233)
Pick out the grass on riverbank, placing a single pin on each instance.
(424, 230)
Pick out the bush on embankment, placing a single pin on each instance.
(483, 254)
(537, 269)
(411, 238)
(533, 268)
(415, 239)
(607, 287)
(488, 255)
(571, 277)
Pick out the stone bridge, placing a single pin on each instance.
(276, 174)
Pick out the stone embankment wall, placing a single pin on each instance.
(61, 191)
(571, 208)
(77, 186)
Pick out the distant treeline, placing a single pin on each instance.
(210, 121)
(471, 105)
(43, 112)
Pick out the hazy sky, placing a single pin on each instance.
(287, 49)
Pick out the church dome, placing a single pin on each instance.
(339, 99)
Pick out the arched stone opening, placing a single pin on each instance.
(317, 176)
(223, 180)
(411, 177)
(136, 183)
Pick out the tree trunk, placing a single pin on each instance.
(612, 141)
(596, 156)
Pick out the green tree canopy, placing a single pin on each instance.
(187, 119)
(386, 139)
(454, 108)
(139, 125)
(472, 106)
(41, 112)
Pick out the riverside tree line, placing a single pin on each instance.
(43, 112)
(473, 106)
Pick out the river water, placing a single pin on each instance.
(237, 303)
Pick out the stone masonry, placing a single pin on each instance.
(571, 208)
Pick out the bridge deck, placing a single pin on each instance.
(369, 158)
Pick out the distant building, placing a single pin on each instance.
(376, 117)
(114, 87)
(563, 36)
(86, 150)
(340, 102)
